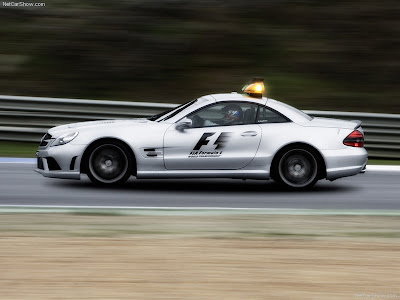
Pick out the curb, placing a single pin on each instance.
(17, 160)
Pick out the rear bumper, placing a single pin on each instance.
(345, 162)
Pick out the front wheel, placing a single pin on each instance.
(109, 164)
(297, 168)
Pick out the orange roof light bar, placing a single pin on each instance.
(255, 88)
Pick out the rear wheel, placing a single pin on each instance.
(297, 168)
(109, 163)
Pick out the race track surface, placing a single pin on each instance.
(20, 185)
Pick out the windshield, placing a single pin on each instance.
(171, 112)
(157, 116)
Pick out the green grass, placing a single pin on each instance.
(18, 149)
(383, 162)
(21, 149)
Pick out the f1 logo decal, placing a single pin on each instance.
(203, 140)
(220, 142)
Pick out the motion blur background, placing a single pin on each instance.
(322, 55)
(339, 241)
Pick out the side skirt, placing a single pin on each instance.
(239, 174)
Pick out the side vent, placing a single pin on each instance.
(152, 152)
(72, 165)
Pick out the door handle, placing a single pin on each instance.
(249, 133)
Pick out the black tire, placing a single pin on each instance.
(297, 168)
(109, 163)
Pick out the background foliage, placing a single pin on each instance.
(341, 55)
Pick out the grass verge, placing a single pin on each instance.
(18, 149)
(210, 226)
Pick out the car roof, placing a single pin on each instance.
(287, 110)
(237, 97)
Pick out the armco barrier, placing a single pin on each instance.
(28, 118)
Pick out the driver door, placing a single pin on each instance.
(214, 142)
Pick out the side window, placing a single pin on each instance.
(224, 114)
(266, 115)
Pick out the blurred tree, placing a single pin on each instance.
(341, 55)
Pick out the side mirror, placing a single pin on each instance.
(183, 124)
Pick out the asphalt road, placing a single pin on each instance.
(20, 185)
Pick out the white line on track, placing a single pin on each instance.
(383, 168)
(187, 211)
(142, 207)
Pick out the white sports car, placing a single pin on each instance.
(244, 136)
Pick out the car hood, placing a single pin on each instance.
(336, 123)
(55, 131)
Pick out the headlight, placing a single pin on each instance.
(65, 138)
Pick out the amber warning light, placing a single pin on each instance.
(255, 88)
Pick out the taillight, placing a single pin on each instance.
(354, 139)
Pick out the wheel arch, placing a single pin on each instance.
(103, 140)
(283, 149)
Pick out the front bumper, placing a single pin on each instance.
(67, 158)
(59, 174)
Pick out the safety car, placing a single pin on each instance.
(229, 135)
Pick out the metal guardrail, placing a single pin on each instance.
(28, 118)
